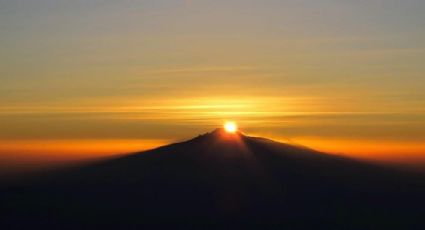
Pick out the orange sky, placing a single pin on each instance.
(25, 155)
(84, 79)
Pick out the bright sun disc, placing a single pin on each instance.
(230, 127)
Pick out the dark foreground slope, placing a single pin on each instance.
(220, 180)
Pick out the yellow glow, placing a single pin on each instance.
(230, 127)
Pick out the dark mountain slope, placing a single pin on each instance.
(221, 179)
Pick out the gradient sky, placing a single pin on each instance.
(92, 77)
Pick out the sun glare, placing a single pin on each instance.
(230, 127)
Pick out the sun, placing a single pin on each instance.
(230, 127)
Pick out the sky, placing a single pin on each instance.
(92, 78)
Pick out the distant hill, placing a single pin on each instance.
(219, 180)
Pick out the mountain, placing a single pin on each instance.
(219, 180)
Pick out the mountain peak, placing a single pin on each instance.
(222, 131)
(220, 176)
(220, 134)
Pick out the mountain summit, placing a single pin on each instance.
(220, 178)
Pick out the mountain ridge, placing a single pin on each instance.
(221, 178)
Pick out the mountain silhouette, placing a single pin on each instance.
(219, 180)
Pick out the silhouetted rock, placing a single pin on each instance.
(220, 180)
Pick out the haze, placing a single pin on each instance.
(87, 79)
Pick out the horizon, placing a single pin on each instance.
(44, 158)
(83, 80)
